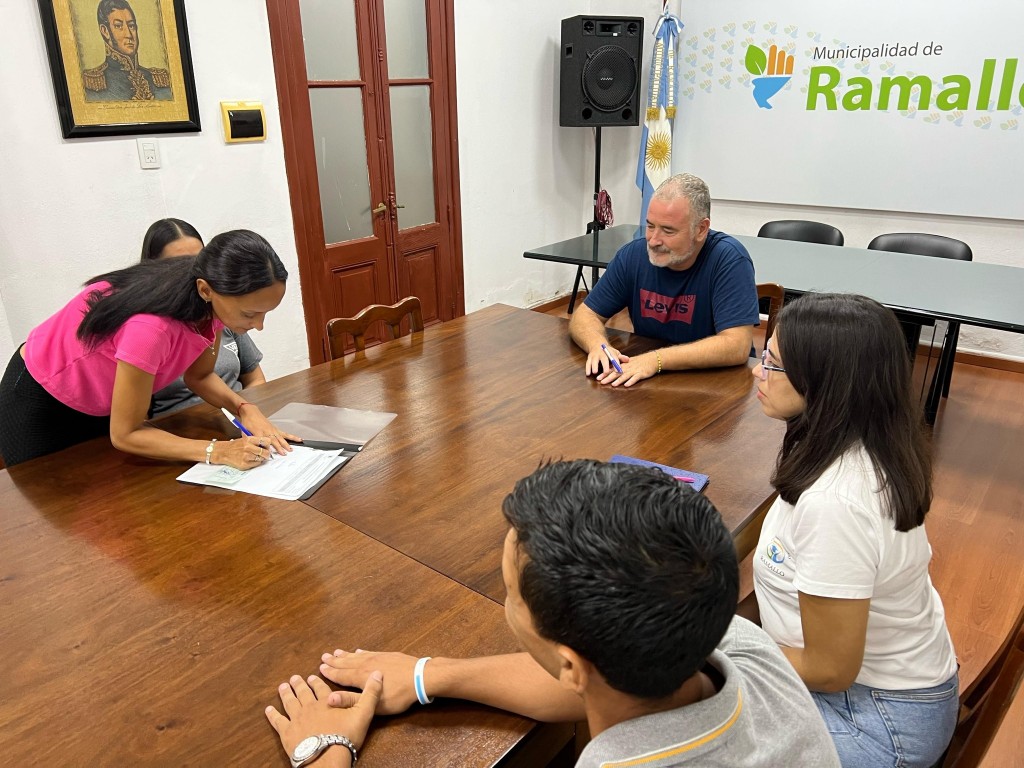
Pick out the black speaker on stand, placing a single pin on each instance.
(599, 85)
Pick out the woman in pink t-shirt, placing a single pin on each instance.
(91, 368)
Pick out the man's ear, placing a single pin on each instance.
(105, 31)
(703, 227)
(574, 671)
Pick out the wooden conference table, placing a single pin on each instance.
(149, 622)
(968, 292)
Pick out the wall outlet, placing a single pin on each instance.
(149, 153)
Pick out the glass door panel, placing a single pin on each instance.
(340, 145)
(413, 151)
(405, 22)
(329, 39)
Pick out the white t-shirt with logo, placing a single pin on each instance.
(837, 542)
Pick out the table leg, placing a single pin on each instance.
(575, 289)
(939, 375)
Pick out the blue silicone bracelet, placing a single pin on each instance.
(417, 681)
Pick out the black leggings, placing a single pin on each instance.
(35, 423)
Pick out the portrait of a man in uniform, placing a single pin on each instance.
(120, 77)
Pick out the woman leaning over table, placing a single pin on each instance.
(92, 367)
(238, 359)
(841, 568)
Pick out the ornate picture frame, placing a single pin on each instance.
(120, 67)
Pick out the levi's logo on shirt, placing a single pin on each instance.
(667, 308)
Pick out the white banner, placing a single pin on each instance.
(909, 106)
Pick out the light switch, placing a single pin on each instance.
(149, 153)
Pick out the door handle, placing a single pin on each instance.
(380, 208)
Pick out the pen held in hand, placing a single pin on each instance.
(614, 362)
(236, 422)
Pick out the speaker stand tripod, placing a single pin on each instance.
(594, 226)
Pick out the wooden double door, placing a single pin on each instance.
(367, 94)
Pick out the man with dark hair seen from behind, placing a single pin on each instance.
(119, 77)
(621, 586)
(684, 283)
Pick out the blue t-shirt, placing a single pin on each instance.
(716, 293)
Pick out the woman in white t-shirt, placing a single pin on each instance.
(841, 568)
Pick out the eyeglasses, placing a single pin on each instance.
(766, 366)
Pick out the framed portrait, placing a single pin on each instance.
(120, 67)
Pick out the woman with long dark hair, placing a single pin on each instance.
(238, 357)
(91, 368)
(841, 567)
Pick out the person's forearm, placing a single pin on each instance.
(712, 352)
(514, 682)
(253, 378)
(215, 392)
(586, 328)
(816, 670)
(153, 443)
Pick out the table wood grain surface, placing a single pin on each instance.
(483, 400)
(149, 622)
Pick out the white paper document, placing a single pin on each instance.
(286, 476)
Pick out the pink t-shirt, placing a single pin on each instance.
(83, 378)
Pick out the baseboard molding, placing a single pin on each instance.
(555, 303)
(988, 361)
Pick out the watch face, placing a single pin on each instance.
(306, 748)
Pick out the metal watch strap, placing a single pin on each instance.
(324, 740)
(337, 739)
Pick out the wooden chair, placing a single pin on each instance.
(775, 295)
(391, 317)
(983, 708)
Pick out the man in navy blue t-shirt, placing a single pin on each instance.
(685, 283)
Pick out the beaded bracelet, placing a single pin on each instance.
(658, 353)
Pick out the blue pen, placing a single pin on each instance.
(615, 363)
(236, 422)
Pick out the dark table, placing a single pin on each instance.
(146, 622)
(481, 401)
(149, 622)
(968, 292)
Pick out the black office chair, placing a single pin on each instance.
(927, 245)
(802, 231)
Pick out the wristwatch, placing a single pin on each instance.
(310, 748)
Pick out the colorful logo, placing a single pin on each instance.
(776, 552)
(773, 69)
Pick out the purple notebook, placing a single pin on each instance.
(700, 482)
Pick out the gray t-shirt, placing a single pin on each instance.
(237, 355)
(763, 717)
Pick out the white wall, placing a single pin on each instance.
(71, 209)
(525, 180)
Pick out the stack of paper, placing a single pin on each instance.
(293, 475)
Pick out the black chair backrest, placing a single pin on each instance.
(923, 245)
(803, 231)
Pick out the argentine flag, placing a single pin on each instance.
(654, 164)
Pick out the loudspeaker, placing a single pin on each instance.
(600, 70)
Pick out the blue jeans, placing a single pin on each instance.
(873, 728)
